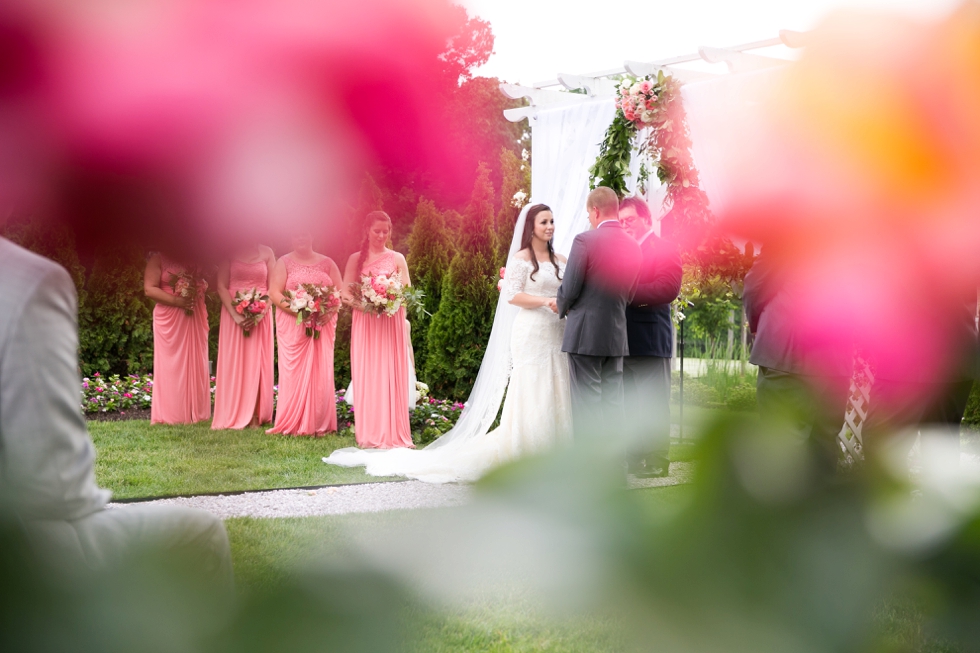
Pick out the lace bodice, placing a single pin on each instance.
(517, 278)
(248, 275)
(297, 273)
(384, 264)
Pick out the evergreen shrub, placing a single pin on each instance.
(461, 327)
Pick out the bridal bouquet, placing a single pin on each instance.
(252, 305)
(313, 305)
(186, 285)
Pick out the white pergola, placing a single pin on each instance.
(701, 66)
(553, 94)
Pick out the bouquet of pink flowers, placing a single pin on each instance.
(252, 305)
(380, 294)
(186, 285)
(638, 100)
(313, 305)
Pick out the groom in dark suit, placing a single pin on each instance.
(599, 282)
(646, 371)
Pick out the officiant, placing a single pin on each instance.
(650, 332)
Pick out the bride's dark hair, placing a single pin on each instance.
(369, 220)
(532, 214)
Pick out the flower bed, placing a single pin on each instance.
(116, 394)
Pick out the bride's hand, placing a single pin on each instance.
(552, 303)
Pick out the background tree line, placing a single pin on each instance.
(435, 224)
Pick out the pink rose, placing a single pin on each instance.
(240, 309)
(646, 86)
(503, 271)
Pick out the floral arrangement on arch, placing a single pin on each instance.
(650, 110)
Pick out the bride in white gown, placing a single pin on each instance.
(537, 409)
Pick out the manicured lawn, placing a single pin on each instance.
(135, 459)
(265, 551)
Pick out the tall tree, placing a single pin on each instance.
(430, 249)
(461, 327)
(468, 48)
(514, 189)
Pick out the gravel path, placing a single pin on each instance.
(340, 500)
(369, 497)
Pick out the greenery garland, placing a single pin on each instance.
(649, 109)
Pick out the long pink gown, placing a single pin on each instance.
(181, 387)
(379, 368)
(307, 401)
(244, 379)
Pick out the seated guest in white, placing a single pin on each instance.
(47, 474)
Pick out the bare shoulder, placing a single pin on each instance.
(266, 253)
(352, 259)
(562, 258)
(523, 255)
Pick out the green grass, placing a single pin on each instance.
(265, 551)
(136, 459)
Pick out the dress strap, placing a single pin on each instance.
(369, 266)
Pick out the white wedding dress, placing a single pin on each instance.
(537, 413)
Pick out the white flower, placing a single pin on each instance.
(646, 116)
(298, 304)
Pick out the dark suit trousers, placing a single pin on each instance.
(646, 385)
(813, 405)
(597, 395)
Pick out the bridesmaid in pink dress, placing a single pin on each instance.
(307, 401)
(243, 384)
(181, 387)
(379, 347)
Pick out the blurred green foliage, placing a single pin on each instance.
(761, 553)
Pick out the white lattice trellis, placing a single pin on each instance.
(850, 438)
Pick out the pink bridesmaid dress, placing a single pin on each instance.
(307, 401)
(181, 386)
(244, 379)
(379, 368)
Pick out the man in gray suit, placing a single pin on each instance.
(599, 282)
(801, 381)
(47, 460)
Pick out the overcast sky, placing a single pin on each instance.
(537, 39)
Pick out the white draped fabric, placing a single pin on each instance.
(721, 113)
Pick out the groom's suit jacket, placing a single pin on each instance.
(648, 323)
(599, 282)
(47, 461)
